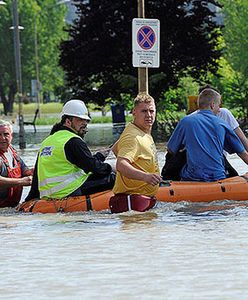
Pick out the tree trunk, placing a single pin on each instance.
(103, 111)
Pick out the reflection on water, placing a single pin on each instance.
(132, 219)
(175, 251)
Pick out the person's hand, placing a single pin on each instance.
(152, 178)
(26, 181)
(28, 172)
(105, 151)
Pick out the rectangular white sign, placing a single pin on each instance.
(145, 42)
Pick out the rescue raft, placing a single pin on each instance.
(235, 188)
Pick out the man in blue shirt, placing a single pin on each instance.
(205, 136)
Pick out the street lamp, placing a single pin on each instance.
(22, 143)
(16, 28)
(37, 66)
(20, 27)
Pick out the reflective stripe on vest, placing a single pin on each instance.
(65, 181)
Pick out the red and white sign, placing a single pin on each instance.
(145, 42)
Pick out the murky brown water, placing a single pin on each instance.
(175, 251)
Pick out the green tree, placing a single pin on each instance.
(98, 50)
(236, 54)
(50, 24)
(50, 21)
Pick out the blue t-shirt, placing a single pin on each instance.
(204, 136)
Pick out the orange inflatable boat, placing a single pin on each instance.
(235, 188)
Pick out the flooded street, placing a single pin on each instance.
(175, 251)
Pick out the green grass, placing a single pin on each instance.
(46, 121)
(94, 120)
(54, 109)
(52, 120)
(44, 108)
(48, 108)
(106, 119)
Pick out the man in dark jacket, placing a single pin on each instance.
(65, 166)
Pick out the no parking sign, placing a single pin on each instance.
(145, 45)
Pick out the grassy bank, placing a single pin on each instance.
(50, 114)
(94, 120)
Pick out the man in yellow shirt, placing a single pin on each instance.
(137, 166)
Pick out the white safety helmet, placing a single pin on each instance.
(76, 108)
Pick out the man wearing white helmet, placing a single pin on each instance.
(65, 166)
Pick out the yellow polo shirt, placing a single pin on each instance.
(139, 148)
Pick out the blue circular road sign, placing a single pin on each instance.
(146, 37)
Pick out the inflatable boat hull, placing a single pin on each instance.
(235, 188)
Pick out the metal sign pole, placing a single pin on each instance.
(142, 72)
(22, 143)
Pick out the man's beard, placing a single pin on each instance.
(83, 133)
(80, 133)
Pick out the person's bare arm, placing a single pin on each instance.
(10, 182)
(29, 172)
(114, 148)
(242, 137)
(244, 156)
(124, 167)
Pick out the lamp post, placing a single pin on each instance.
(22, 143)
(16, 28)
(37, 65)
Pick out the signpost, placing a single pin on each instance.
(145, 43)
(150, 36)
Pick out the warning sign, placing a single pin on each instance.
(145, 43)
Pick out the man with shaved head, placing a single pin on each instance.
(204, 137)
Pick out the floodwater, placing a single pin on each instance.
(175, 251)
(105, 134)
